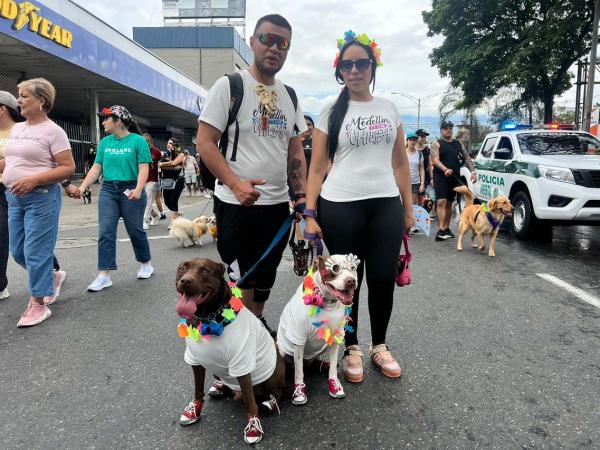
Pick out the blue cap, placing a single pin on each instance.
(411, 135)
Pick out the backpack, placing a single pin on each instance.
(236, 89)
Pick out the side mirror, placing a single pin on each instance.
(503, 153)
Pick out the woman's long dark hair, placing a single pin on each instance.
(133, 127)
(340, 107)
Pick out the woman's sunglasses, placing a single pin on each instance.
(345, 65)
(269, 39)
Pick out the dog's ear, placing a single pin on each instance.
(492, 204)
(222, 269)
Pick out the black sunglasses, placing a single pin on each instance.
(346, 65)
(269, 39)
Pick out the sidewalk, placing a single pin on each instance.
(75, 214)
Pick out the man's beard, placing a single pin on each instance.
(267, 70)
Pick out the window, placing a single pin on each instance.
(506, 143)
(558, 144)
(488, 147)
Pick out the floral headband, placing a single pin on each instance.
(350, 36)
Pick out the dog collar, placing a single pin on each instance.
(215, 323)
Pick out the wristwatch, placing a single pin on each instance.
(65, 183)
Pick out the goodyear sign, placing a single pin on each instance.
(27, 14)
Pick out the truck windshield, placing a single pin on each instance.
(558, 144)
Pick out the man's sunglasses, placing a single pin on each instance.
(361, 64)
(269, 39)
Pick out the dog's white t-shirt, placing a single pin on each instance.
(362, 166)
(296, 327)
(261, 153)
(245, 347)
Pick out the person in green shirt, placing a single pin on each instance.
(123, 158)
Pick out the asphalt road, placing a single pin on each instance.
(494, 356)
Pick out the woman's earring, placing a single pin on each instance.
(41, 109)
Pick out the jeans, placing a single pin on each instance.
(33, 227)
(113, 204)
(3, 238)
(150, 189)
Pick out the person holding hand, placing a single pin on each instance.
(123, 158)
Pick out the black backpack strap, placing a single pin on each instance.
(294, 98)
(236, 94)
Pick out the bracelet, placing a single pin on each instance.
(310, 213)
(65, 183)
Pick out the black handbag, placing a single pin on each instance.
(301, 251)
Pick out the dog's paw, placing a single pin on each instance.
(492, 254)
(459, 249)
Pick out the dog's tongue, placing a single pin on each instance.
(186, 306)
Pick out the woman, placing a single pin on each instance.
(307, 139)
(173, 169)
(38, 157)
(190, 171)
(123, 158)
(416, 167)
(359, 209)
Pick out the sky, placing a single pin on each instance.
(317, 24)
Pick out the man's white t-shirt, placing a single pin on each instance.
(245, 347)
(362, 166)
(296, 327)
(261, 154)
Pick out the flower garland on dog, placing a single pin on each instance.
(350, 36)
(313, 298)
(211, 326)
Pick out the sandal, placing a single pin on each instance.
(352, 364)
(384, 361)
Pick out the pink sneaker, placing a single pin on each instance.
(59, 278)
(384, 361)
(335, 388)
(191, 413)
(34, 315)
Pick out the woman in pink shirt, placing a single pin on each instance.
(38, 156)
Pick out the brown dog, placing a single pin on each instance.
(480, 220)
(240, 353)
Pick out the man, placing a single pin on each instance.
(426, 152)
(251, 199)
(447, 155)
(151, 191)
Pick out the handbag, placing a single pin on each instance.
(403, 277)
(167, 183)
(300, 251)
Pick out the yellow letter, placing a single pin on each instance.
(34, 22)
(55, 34)
(9, 9)
(67, 38)
(44, 28)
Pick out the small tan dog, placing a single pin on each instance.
(212, 227)
(482, 219)
(188, 232)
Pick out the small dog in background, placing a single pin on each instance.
(188, 232)
(212, 227)
(427, 203)
(87, 196)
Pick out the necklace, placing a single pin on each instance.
(314, 299)
(267, 100)
(214, 323)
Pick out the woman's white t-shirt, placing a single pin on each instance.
(414, 161)
(362, 166)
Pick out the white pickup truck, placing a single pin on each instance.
(552, 177)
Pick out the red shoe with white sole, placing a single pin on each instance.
(191, 413)
(299, 396)
(335, 388)
(253, 433)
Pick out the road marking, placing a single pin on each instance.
(149, 238)
(579, 293)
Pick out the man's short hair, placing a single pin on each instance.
(276, 20)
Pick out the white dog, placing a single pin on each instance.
(316, 318)
(188, 232)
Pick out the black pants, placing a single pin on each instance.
(171, 196)
(3, 238)
(372, 230)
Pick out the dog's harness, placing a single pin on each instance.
(493, 222)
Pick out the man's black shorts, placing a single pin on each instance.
(444, 187)
(245, 232)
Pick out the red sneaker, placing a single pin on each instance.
(191, 413)
(253, 433)
(219, 390)
(335, 388)
(299, 396)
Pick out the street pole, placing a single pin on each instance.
(589, 94)
(418, 102)
(419, 114)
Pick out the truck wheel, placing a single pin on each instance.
(524, 222)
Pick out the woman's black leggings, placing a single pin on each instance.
(371, 229)
(171, 196)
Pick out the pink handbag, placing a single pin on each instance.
(404, 273)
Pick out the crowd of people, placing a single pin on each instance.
(353, 176)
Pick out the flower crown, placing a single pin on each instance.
(350, 36)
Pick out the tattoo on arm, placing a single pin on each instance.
(435, 154)
(296, 175)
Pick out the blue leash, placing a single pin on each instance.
(285, 227)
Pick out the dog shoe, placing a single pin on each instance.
(335, 388)
(299, 396)
(352, 364)
(191, 413)
(253, 433)
(218, 390)
(384, 361)
(270, 406)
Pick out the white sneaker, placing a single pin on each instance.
(145, 272)
(99, 283)
(4, 294)
(153, 222)
(206, 195)
(146, 226)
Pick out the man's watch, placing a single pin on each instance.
(65, 183)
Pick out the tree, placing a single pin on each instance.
(491, 44)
